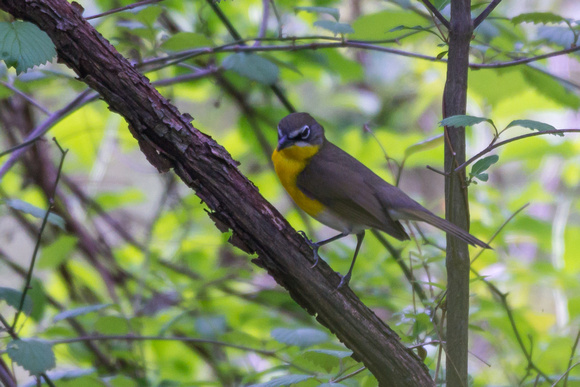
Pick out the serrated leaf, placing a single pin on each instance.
(23, 45)
(252, 66)
(534, 125)
(79, 311)
(424, 145)
(186, 40)
(283, 381)
(34, 355)
(334, 27)
(13, 297)
(334, 12)
(30, 209)
(538, 18)
(482, 165)
(463, 120)
(301, 337)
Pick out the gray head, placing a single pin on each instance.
(299, 129)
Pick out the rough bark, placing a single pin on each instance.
(456, 204)
(168, 140)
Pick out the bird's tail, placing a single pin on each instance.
(444, 225)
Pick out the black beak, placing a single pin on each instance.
(284, 142)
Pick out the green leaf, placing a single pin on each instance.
(462, 120)
(283, 381)
(211, 326)
(481, 166)
(378, 25)
(325, 359)
(23, 45)
(334, 27)
(186, 40)
(424, 145)
(334, 12)
(57, 252)
(252, 66)
(79, 311)
(34, 355)
(301, 337)
(534, 125)
(538, 18)
(28, 208)
(38, 297)
(13, 297)
(331, 385)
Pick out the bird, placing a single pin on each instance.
(339, 191)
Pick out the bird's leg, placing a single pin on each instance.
(316, 245)
(344, 281)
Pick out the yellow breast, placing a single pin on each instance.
(288, 163)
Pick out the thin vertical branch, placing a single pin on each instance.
(37, 246)
(456, 204)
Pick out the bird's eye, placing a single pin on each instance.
(305, 133)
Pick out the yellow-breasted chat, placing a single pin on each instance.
(342, 193)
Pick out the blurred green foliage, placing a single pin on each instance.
(143, 242)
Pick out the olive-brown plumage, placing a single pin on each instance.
(353, 197)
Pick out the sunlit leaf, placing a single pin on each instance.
(186, 40)
(334, 12)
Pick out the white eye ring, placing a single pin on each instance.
(305, 132)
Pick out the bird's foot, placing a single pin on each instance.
(314, 246)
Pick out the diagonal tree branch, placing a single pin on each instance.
(168, 140)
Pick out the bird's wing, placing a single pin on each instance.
(340, 182)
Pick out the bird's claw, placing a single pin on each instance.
(314, 246)
(344, 280)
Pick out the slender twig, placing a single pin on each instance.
(437, 14)
(481, 17)
(499, 65)
(501, 143)
(496, 233)
(120, 9)
(43, 225)
(234, 33)
(566, 373)
(349, 375)
(507, 308)
(41, 130)
(211, 70)
(573, 352)
(264, 24)
(31, 100)
(160, 338)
